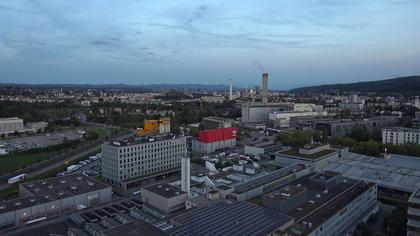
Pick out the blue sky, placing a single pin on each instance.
(141, 42)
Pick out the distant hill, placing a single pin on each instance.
(402, 85)
(125, 87)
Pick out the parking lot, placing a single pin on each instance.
(37, 141)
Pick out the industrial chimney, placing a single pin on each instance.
(264, 88)
(230, 90)
(185, 175)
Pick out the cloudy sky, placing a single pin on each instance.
(143, 42)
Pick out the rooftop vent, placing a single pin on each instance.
(50, 186)
(311, 201)
(44, 183)
(166, 189)
(17, 203)
(159, 186)
(73, 187)
(32, 200)
(177, 193)
(299, 209)
(63, 181)
(46, 196)
(30, 185)
(318, 195)
(325, 191)
(60, 193)
(90, 183)
(79, 178)
(36, 190)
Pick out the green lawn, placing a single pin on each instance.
(102, 133)
(9, 164)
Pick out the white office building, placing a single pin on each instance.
(142, 160)
(399, 135)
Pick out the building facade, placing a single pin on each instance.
(132, 163)
(413, 214)
(211, 140)
(399, 135)
(11, 125)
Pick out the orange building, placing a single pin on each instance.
(153, 127)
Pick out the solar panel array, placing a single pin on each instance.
(239, 218)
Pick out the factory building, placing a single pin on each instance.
(138, 161)
(315, 155)
(211, 140)
(413, 214)
(399, 135)
(265, 183)
(324, 203)
(339, 128)
(234, 219)
(292, 119)
(164, 197)
(213, 122)
(11, 125)
(259, 112)
(52, 197)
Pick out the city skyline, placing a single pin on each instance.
(152, 42)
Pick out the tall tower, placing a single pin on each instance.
(264, 87)
(230, 90)
(185, 174)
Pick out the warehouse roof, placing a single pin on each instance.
(165, 190)
(239, 218)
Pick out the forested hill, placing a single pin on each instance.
(402, 85)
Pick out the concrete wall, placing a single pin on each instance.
(162, 203)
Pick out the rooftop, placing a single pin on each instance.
(165, 190)
(134, 140)
(268, 178)
(51, 189)
(285, 193)
(402, 129)
(294, 152)
(135, 228)
(239, 218)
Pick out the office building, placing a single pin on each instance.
(138, 161)
(413, 214)
(212, 140)
(52, 197)
(399, 135)
(11, 125)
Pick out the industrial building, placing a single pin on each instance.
(258, 112)
(212, 140)
(413, 214)
(265, 183)
(343, 127)
(139, 161)
(234, 219)
(213, 122)
(164, 197)
(11, 125)
(261, 148)
(293, 119)
(52, 197)
(154, 127)
(324, 203)
(398, 173)
(307, 107)
(315, 155)
(400, 135)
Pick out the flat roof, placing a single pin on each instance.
(268, 178)
(322, 214)
(135, 140)
(47, 190)
(234, 219)
(294, 152)
(165, 190)
(402, 129)
(285, 193)
(134, 228)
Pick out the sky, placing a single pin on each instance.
(299, 43)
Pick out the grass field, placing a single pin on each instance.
(11, 163)
(102, 133)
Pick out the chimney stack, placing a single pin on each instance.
(185, 175)
(230, 90)
(264, 88)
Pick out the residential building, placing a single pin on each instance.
(413, 214)
(138, 161)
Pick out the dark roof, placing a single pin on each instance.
(239, 218)
(165, 190)
(268, 178)
(135, 228)
(294, 152)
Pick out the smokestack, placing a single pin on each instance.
(264, 87)
(185, 174)
(230, 90)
